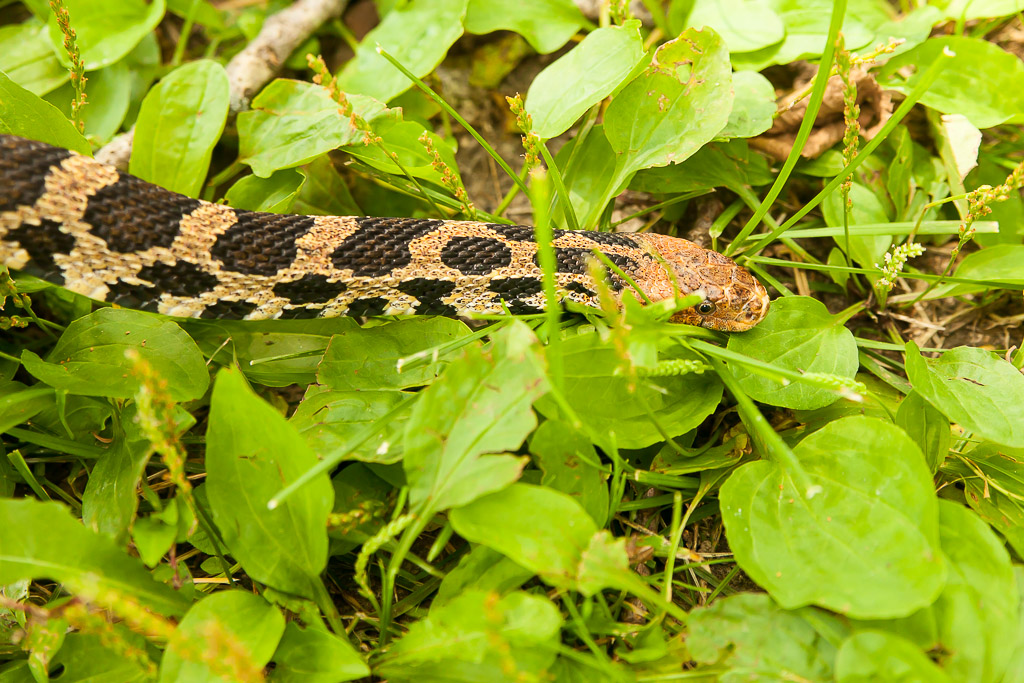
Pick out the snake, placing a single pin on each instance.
(113, 237)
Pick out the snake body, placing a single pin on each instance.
(113, 237)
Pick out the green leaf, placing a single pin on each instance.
(27, 57)
(476, 637)
(178, 126)
(89, 357)
(745, 25)
(417, 34)
(106, 31)
(25, 114)
(245, 626)
(966, 10)
(718, 164)
(680, 103)
(806, 23)
(19, 406)
(974, 621)
(43, 541)
(546, 24)
(481, 569)
(88, 658)
(865, 545)
(539, 528)
(324, 192)
(274, 353)
(749, 634)
(754, 107)
(1000, 263)
(480, 405)
(595, 67)
(109, 93)
(869, 656)
(291, 123)
(330, 420)
(251, 453)
(994, 488)
(974, 388)
(982, 81)
(372, 357)
(867, 250)
(402, 138)
(927, 427)
(312, 655)
(799, 334)
(571, 465)
(611, 408)
(274, 194)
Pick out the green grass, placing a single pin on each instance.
(837, 495)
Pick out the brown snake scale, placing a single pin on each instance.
(112, 237)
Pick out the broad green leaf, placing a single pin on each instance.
(476, 637)
(927, 427)
(718, 164)
(402, 138)
(977, 612)
(291, 123)
(110, 500)
(274, 194)
(680, 103)
(965, 10)
(180, 122)
(1015, 669)
(982, 81)
(43, 541)
(312, 655)
(974, 621)
(252, 452)
(377, 357)
(539, 528)
(330, 420)
(749, 634)
(274, 353)
(612, 407)
(974, 388)
(109, 91)
(571, 465)
(867, 250)
(745, 25)
(481, 569)
(324, 192)
(106, 31)
(994, 488)
(799, 334)
(25, 114)
(27, 57)
(239, 632)
(806, 24)
(997, 263)
(753, 107)
(865, 545)
(595, 67)
(546, 24)
(88, 658)
(587, 176)
(869, 656)
(21, 405)
(482, 404)
(89, 357)
(417, 34)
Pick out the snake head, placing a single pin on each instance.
(734, 301)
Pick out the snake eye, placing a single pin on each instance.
(706, 307)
